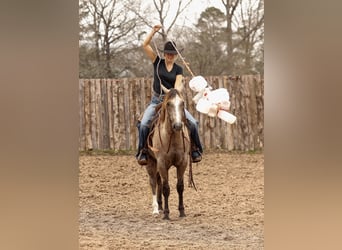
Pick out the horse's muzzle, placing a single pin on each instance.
(177, 126)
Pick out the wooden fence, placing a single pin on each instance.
(109, 109)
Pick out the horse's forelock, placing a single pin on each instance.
(173, 93)
(170, 95)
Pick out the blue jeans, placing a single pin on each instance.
(144, 125)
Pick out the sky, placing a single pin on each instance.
(198, 6)
(193, 11)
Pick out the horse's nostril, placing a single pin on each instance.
(177, 126)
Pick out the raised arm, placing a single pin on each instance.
(146, 45)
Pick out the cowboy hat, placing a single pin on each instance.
(170, 48)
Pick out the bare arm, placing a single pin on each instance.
(146, 45)
(179, 83)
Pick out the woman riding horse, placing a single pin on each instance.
(169, 145)
(167, 75)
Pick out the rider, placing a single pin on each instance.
(169, 74)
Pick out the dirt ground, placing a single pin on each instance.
(226, 211)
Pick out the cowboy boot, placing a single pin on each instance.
(142, 157)
(195, 154)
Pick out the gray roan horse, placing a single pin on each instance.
(168, 145)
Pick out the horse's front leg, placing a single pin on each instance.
(159, 193)
(180, 189)
(166, 193)
(153, 183)
(166, 190)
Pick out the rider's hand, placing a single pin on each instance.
(156, 28)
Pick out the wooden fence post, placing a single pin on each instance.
(109, 110)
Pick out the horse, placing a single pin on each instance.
(168, 145)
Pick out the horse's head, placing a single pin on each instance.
(173, 106)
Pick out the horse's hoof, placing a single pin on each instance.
(155, 214)
(182, 215)
(166, 217)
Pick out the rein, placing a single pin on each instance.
(191, 178)
(168, 148)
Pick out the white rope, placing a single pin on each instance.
(182, 58)
(162, 87)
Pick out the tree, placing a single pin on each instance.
(228, 42)
(250, 34)
(160, 12)
(219, 46)
(108, 29)
(205, 51)
(247, 17)
(163, 9)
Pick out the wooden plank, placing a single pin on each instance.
(138, 98)
(104, 115)
(109, 110)
(220, 131)
(136, 110)
(97, 114)
(89, 144)
(251, 112)
(213, 120)
(235, 97)
(206, 134)
(224, 125)
(228, 140)
(201, 128)
(132, 111)
(121, 117)
(116, 123)
(82, 142)
(138, 104)
(260, 108)
(232, 95)
(126, 106)
(143, 95)
(149, 91)
(110, 113)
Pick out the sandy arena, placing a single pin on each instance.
(226, 211)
